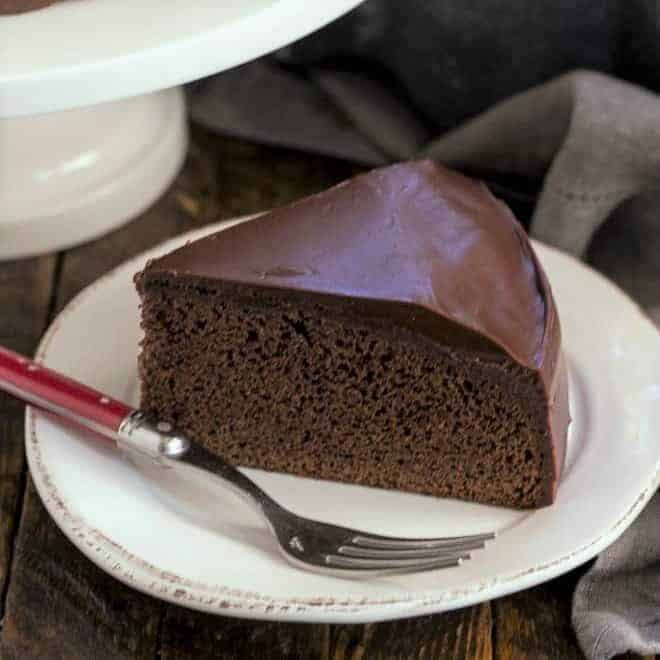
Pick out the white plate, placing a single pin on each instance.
(221, 559)
(90, 51)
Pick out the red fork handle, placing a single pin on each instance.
(51, 391)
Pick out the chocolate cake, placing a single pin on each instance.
(20, 6)
(394, 331)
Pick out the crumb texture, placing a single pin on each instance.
(292, 388)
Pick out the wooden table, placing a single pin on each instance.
(56, 604)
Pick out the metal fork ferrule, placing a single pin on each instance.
(150, 437)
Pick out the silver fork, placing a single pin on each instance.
(308, 544)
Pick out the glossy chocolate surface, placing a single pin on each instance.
(413, 233)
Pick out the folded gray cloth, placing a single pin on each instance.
(616, 607)
(453, 59)
(592, 140)
(597, 139)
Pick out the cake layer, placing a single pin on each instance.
(306, 389)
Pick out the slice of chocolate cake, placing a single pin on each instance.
(394, 331)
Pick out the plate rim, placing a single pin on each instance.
(227, 601)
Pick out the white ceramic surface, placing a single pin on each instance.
(91, 51)
(71, 176)
(219, 557)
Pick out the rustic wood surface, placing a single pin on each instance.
(55, 604)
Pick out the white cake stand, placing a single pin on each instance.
(87, 140)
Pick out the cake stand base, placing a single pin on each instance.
(68, 177)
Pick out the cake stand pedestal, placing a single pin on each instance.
(70, 176)
(87, 140)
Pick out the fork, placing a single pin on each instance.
(306, 543)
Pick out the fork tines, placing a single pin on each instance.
(375, 553)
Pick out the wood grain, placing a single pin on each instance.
(25, 297)
(61, 607)
(462, 634)
(240, 178)
(537, 623)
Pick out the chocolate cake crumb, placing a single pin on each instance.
(298, 391)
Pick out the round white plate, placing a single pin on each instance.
(90, 51)
(218, 557)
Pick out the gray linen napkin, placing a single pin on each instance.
(616, 607)
(592, 140)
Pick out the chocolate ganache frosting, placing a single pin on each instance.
(380, 236)
(413, 244)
